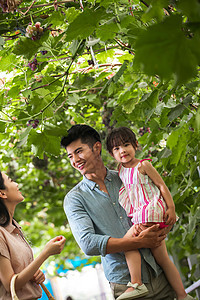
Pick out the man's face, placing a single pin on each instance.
(82, 157)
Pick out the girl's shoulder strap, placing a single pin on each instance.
(140, 162)
(119, 167)
(145, 159)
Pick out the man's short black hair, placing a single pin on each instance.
(85, 133)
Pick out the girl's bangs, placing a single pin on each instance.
(120, 139)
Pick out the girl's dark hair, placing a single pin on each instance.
(120, 135)
(4, 214)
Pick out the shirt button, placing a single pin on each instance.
(120, 217)
(114, 203)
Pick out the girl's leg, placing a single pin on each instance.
(135, 287)
(170, 270)
(133, 260)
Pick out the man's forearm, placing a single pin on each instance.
(123, 244)
(148, 238)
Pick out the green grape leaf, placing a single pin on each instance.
(163, 49)
(84, 24)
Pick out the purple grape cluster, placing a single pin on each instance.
(43, 52)
(46, 182)
(33, 64)
(3, 5)
(34, 31)
(33, 123)
(143, 130)
(90, 62)
(9, 5)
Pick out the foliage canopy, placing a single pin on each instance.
(104, 63)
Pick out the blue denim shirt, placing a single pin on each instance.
(94, 217)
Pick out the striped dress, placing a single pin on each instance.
(140, 197)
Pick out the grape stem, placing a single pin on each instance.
(28, 10)
(42, 5)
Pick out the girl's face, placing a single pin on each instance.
(11, 193)
(125, 154)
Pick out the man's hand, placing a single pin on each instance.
(152, 237)
(146, 237)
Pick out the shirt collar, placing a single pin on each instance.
(91, 184)
(108, 175)
(11, 227)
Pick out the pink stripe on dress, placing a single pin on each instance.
(131, 175)
(141, 197)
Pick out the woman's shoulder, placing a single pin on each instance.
(3, 233)
(3, 229)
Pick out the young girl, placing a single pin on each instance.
(16, 256)
(146, 199)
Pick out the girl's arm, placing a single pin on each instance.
(54, 246)
(148, 169)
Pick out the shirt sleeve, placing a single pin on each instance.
(82, 226)
(4, 251)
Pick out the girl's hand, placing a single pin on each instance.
(131, 232)
(38, 277)
(170, 216)
(135, 230)
(55, 245)
(140, 227)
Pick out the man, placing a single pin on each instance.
(99, 223)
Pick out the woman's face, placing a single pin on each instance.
(11, 193)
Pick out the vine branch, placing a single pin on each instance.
(46, 4)
(28, 8)
(62, 89)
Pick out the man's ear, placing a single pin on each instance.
(3, 194)
(97, 147)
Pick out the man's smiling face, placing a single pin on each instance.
(82, 157)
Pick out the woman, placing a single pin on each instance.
(16, 256)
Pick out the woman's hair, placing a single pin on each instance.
(120, 135)
(4, 214)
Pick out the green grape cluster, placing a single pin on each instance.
(34, 31)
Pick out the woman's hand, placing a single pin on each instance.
(55, 245)
(38, 277)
